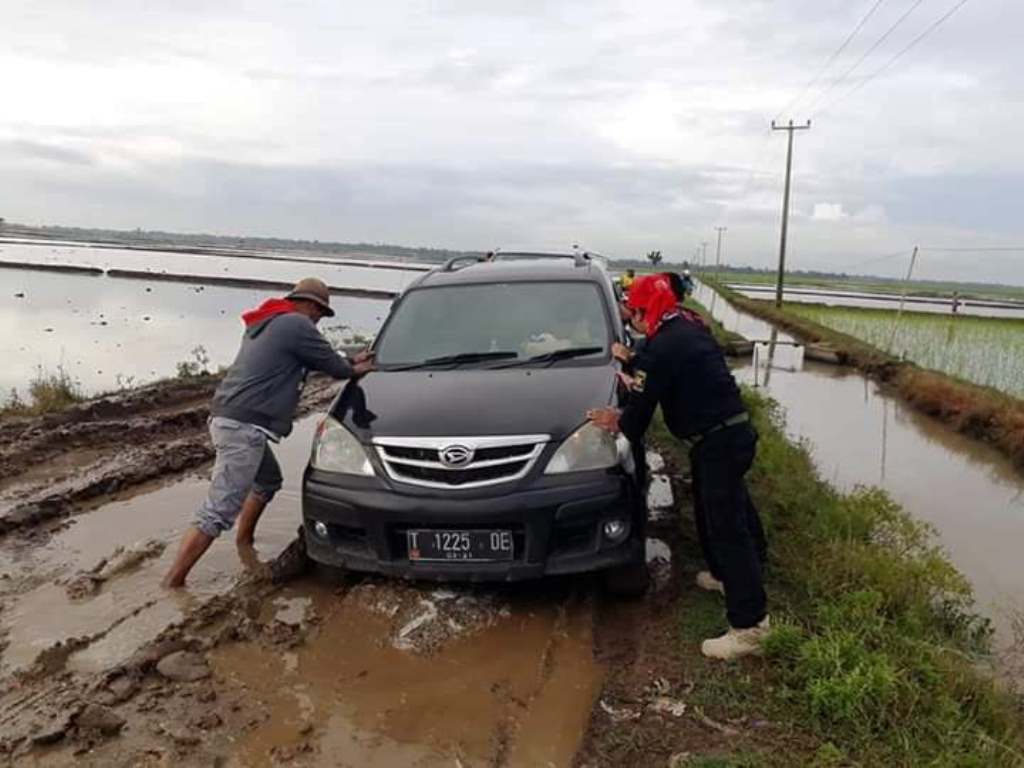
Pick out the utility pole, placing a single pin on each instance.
(785, 203)
(903, 298)
(704, 253)
(718, 250)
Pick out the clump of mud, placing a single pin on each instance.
(424, 619)
(121, 560)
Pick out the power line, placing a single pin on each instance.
(931, 28)
(1007, 248)
(868, 52)
(835, 54)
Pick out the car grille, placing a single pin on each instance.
(484, 460)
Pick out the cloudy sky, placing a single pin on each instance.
(625, 126)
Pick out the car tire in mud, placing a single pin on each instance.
(629, 581)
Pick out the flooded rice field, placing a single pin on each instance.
(110, 333)
(987, 351)
(868, 300)
(859, 435)
(341, 274)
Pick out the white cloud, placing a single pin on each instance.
(828, 212)
(628, 125)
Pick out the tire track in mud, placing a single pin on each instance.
(304, 674)
(55, 464)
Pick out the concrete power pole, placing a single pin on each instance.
(703, 254)
(718, 250)
(785, 203)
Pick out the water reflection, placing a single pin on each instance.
(200, 265)
(109, 333)
(836, 298)
(859, 435)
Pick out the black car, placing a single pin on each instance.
(467, 454)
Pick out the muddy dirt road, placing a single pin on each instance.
(100, 666)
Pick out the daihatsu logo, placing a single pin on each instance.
(456, 456)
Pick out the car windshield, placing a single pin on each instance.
(496, 323)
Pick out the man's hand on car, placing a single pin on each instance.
(605, 418)
(621, 352)
(363, 363)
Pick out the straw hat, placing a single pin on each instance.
(315, 290)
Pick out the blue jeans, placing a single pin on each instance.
(245, 464)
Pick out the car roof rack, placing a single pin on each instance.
(452, 264)
(580, 258)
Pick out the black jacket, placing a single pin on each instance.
(682, 369)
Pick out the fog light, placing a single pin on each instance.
(616, 530)
(320, 529)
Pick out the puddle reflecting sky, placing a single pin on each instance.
(101, 328)
(877, 301)
(287, 269)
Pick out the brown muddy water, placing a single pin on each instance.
(859, 435)
(132, 608)
(518, 693)
(386, 673)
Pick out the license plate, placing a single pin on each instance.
(459, 546)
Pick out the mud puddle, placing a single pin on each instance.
(515, 691)
(361, 673)
(129, 608)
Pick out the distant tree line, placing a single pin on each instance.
(159, 237)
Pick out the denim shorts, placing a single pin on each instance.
(245, 464)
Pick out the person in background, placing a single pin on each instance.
(626, 281)
(682, 368)
(253, 407)
(687, 280)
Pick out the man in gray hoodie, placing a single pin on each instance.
(253, 407)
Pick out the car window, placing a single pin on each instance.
(524, 318)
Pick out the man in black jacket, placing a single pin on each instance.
(682, 369)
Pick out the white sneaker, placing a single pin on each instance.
(736, 643)
(708, 582)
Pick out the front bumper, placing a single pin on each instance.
(557, 526)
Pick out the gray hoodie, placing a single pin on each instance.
(263, 385)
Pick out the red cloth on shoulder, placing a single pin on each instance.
(268, 308)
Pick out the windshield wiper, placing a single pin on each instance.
(459, 359)
(552, 357)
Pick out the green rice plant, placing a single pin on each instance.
(984, 350)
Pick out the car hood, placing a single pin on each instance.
(474, 402)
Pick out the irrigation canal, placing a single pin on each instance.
(859, 435)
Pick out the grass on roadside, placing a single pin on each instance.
(47, 391)
(876, 651)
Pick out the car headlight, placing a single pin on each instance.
(589, 447)
(335, 449)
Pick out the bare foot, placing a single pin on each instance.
(251, 561)
(169, 583)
